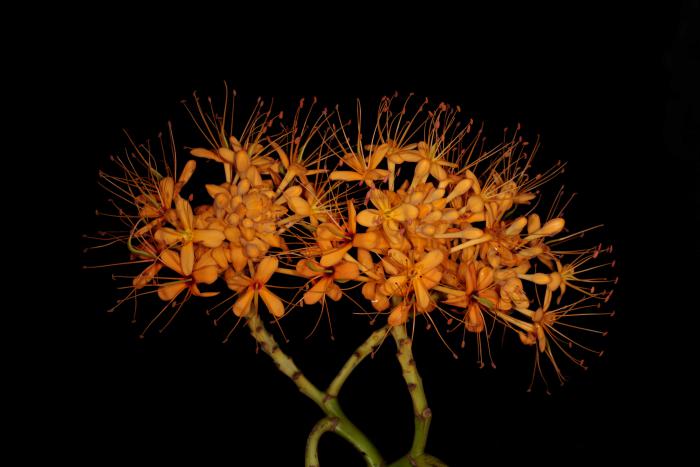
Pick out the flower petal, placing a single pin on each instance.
(205, 275)
(422, 296)
(242, 305)
(299, 205)
(369, 218)
(551, 227)
(398, 315)
(404, 212)
(186, 172)
(187, 258)
(430, 261)
(184, 213)
(171, 259)
(242, 161)
(334, 256)
(205, 153)
(366, 240)
(345, 271)
(394, 284)
(272, 302)
(226, 155)
(265, 269)
(210, 238)
(334, 292)
(168, 292)
(345, 175)
(317, 291)
(167, 190)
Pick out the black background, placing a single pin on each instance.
(605, 89)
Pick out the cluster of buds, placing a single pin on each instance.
(429, 221)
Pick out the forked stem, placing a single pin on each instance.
(336, 421)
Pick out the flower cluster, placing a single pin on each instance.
(428, 220)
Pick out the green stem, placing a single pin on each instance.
(362, 351)
(422, 413)
(329, 404)
(323, 426)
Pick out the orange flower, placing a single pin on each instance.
(203, 272)
(418, 277)
(250, 288)
(187, 236)
(363, 170)
(325, 278)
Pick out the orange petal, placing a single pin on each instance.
(146, 275)
(236, 282)
(398, 315)
(215, 190)
(329, 232)
(376, 157)
(459, 189)
(533, 223)
(265, 269)
(430, 261)
(345, 271)
(345, 175)
(167, 190)
(475, 319)
(282, 155)
(352, 217)
(168, 236)
(168, 292)
(431, 278)
(171, 259)
(551, 227)
(399, 258)
(335, 256)
(299, 205)
(538, 278)
(184, 213)
(421, 170)
(367, 240)
(187, 258)
(422, 296)
(379, 200)
(376, 174)
(226, 155)
(205, 153)
(208, 237)
(365, 258)
(205, 275)
(516, 226)
(187, 172)
(394, 284)
(242, 305)
(219, 256)
(404, 212)
(206, 294)
(334, 292)
(485, 278)
(317, 291)
(242, 161)
(407, 156)
(369, 218)
(272, 302)
(293, 191)
(238, 258)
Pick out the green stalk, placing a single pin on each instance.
(422, 413)
(362, 351)
(329, 404)
(323, 426)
